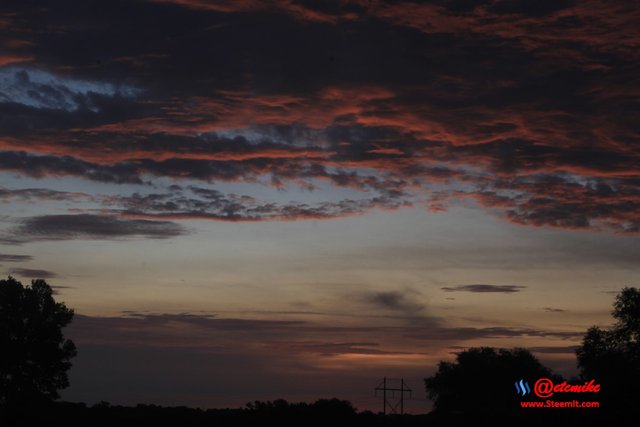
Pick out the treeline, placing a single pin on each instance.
(486, 384)
(324, 412)
(477, 388)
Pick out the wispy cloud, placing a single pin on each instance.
(506, 289)
(468, 333)
(571, 349)
(15, 258)
(32, 273)
(395, 301)
(86, 226)
(203, 328)
(329, 348)
(210, 204)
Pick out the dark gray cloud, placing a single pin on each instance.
(58, 289)
(571, 349)
(567, 349)
(15, 258)
(157, 329)
(195, 202)
(507, 289)
(153, 328)
(329, 348)
(209, 321)
(40, 166)
(467, 333)
(32, 273)
(40, 194)
(208, 203)
(394, 300)
(534, 8)
(554, 310)
(86, 226)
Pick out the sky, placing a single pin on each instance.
(248, 200)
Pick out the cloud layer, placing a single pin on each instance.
(32, 273)
(507, 289)
(517, 107)
(86, 226)
(15, 258)
(288, 357)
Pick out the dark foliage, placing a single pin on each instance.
(481, 380)
(34, 356)
(612, 357)
(322, 413)
(479, 388)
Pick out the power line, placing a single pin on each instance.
(389, 387)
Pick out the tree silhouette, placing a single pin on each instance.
(481, 381)
(612, 357)
(34, 355)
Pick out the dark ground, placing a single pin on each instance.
(329, 412)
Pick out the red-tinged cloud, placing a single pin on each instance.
(223, 150)
(225, 6)
(296, 10)
(527, 108)
(532, 24)
(335, 348)
(13, 59)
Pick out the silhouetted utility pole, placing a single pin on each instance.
(393, 385)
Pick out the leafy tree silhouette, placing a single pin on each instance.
(612, 357)
(481, 381)
(34, 356)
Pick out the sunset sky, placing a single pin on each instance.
(249, 200)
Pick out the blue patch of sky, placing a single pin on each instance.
(41, 89)
(296, 135)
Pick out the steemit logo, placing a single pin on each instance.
(522, 387)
